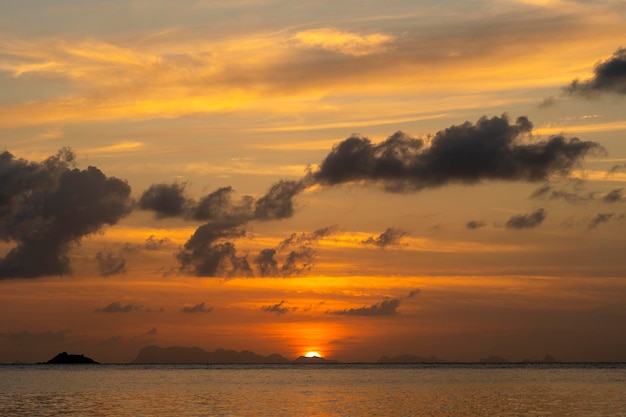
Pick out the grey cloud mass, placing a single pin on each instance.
(110, 263)
(599, 219)
(527, 221)
(614, 196)
(48, 206)
(384, 308)
(608, 77)
(206, 254)
(166, 200)
(390, 237)
(117, 307)
(475, 224)
(490, 149)
(198, 308)
(278, 308)
(551, 193)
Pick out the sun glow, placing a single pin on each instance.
(312, 354)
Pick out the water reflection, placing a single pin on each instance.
(311, 391)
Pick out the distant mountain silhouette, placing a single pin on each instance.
(65, 358)
(494, 359)
(180, 354)
(409, 359)
(314, 359)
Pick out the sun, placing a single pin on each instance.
(312, 354)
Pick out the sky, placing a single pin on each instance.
(358, 179)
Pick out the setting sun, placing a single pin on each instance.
(312, 354)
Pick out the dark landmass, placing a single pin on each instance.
(494, 359)
(179, 354)
(195, 355)
(409, 359)
(65, 358)
(314, 360)
(546, 359)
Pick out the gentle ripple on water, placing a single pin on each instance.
(315, 391)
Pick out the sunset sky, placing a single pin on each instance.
(356, 178)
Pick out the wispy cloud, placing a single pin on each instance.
(343, 42)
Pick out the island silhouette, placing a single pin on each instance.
(181, 355)
(66, 358)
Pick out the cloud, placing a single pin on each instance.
(117, 307)
(169, 200)
(152, 243)
(307, 238)
(166, 200)
(390, 237)
(414, 292)
(341, 42)
(218, 206)
(300, 257)
(475, 224)
(277, 203)
(110, 263)
(48, 206)
(526, 221)
(267, 264)
(490, 149)
(549, 192)
(614, 196)
(207, 254)
(384, 308)
(599, 219)
(298, 262)
(278, 308)
(198, 308)
(547, 102)
(609, 77)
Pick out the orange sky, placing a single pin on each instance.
(467, 247)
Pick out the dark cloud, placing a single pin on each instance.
(547, 102)
(616, 168)
(475, 224)
(169, 200)
(207, 254)
(390, 237)
(300, 254)
(609, 77)
(152, 243)
(527, 221)
(117, 307)
(110, 263)
(490, 149)
(550, 193)
(278, 308)
(277, 203)
(414, 292)
(46, 207)
(267, 264)
(307, 238)
(166, 200)
(384, 308)
(219, 206)
(599, 219)
(298, 262)
(198, 308)
(614, 196)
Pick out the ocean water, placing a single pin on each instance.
(312, 390)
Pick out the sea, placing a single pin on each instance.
(314, 390)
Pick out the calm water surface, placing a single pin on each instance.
(337, 390)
